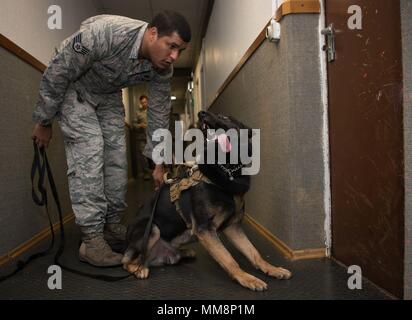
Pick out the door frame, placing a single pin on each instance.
(327, 196)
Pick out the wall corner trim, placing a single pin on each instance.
(250, 51)
(297, 6)
(289, 253)
(22, 54)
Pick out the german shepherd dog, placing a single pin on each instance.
(207, 208)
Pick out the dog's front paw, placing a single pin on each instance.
(130, 267)
(279, 273)
(142, 272)
(251, 282)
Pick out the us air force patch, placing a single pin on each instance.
(77, 45)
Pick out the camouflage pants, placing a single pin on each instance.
(96, 158)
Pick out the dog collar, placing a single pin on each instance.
(230, 172)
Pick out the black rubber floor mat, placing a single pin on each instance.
(201, 278)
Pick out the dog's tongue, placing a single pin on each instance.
(224, 143)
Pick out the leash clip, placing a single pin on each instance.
(192, 170)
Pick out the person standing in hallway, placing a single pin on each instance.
(81, 88)
(140, 126)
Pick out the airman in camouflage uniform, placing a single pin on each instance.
(82, 89)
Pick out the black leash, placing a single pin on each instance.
(41, 166)
(146, 235)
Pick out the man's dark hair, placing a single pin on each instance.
(168, 22)
(143, 97)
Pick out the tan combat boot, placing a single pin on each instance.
(95, 250)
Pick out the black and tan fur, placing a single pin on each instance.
(211, 208)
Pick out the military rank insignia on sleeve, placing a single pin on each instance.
(78, 46)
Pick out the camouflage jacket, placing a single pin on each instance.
(102, 58)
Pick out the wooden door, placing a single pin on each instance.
(366, 139)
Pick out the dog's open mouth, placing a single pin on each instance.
(224, 143)
(208, 132)
(222, 139)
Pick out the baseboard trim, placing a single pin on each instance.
(13, 254)
(288, 252)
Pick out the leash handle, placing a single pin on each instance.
(40, 166)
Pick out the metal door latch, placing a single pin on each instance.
(330, 48)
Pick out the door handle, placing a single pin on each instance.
(330, 48)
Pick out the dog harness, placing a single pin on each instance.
(185, 177)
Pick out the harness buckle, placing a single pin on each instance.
(190, 172)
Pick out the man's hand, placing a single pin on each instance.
(42, 135)
(158, 175)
